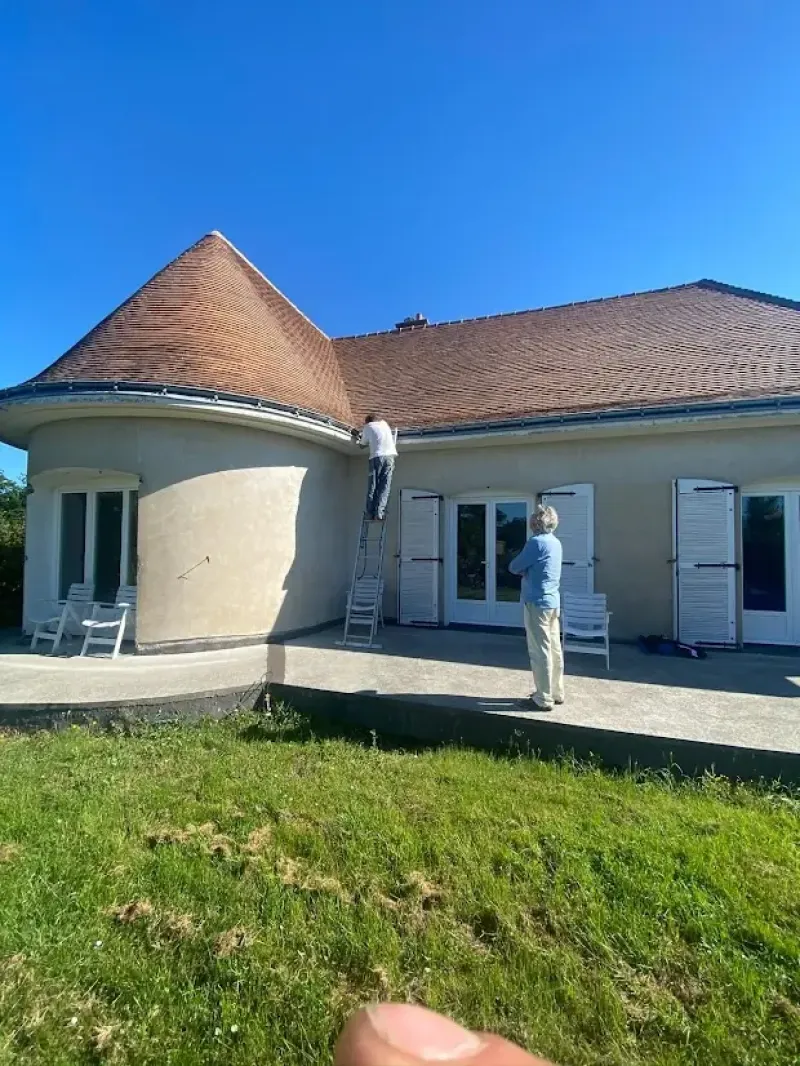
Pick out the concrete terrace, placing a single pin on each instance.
(738, 712)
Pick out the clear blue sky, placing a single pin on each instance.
(374, 159)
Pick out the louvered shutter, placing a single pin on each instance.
(705, 561)
(575, 507)
(418, 578)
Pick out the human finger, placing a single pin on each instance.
(402, 1034)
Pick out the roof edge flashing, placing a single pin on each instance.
(708, 284)
(748, 294)
(61, 394)
(789, 403)
(221, 236)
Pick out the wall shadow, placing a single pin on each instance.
(318, 567)
(398, 724)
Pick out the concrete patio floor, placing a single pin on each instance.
(39, 678)
(744, 699)
(736, 700)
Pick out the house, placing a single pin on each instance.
(198, 441)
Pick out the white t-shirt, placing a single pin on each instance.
(379, 437)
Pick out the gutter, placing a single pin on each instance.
(144, 392)
(624, 416)
(313, 420)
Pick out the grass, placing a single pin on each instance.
(228, 893)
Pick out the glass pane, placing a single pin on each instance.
(471, 551)
(510, 537)
(133, 539)
(72, 550)
(764, 553)
(107, 545)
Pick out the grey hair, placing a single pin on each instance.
(544, 520)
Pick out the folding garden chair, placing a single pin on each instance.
(584, 624)
(107, 624)
(61, 612)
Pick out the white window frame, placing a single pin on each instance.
(489, 498)
(790, 491)
(91, 491)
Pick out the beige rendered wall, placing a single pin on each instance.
(633, 498)
(242, 532)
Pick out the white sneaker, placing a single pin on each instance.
(539, 706)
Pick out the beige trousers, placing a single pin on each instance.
(544, 649)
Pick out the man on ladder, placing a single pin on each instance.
(364, 613)
(382, 453)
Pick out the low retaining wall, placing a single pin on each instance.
(153, 710)
(431, 723)
(440, 724)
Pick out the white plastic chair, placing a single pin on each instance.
(107, 624)
(72, 609)
(584, 624)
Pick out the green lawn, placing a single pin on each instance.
(227, 893)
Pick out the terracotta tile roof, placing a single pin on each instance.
(695, 342)
(209, 319)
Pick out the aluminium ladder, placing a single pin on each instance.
(364, 603)
(365, 599)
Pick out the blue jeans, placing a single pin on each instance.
(380, 483)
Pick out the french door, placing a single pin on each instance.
(770, 571)
(485, 536)
(96, 540)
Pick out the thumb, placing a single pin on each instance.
(400, 1034)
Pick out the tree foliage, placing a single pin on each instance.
(12, 549)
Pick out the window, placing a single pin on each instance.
(98, 540)
(72, 555)
(763, 553)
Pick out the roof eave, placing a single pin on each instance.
(228, 406)
(582, 420)
(148, 396)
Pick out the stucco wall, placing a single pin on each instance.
(276, 516)
(39, 583)
(633, 498)
(242, 532)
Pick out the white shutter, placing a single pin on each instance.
(705, 562)
(418, 578)
(574, 505)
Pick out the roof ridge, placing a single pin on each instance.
(272, 285)
(162, 270)
(532, 310)
(701, 283)
(128, 300)
(748, 294)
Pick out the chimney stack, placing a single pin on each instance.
(417, 321)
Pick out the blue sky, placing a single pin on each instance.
(449, 156)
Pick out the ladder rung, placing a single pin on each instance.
(363, 606)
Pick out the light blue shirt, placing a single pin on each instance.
(539, 562)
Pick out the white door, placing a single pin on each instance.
(574, 505)
(418, 558)
(770, 574)
(485, 534)
(705, 562)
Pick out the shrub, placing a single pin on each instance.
(12, 550)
